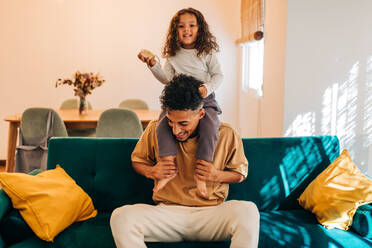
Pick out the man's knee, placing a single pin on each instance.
(244, 211)
(245, 225)
(123, 217)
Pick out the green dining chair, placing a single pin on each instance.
(33, 123)
(37, 126)
(73, 103)
(116, 122)
(133, 104)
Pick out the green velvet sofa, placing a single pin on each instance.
(279, 171)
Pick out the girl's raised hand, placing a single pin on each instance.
(150, 61)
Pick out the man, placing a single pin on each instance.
(181, 214)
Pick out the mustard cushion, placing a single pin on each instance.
(48, 202)
(337, 192)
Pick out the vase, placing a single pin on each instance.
(83, 106)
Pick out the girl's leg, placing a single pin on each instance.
(208, 135)
(167, 146)
(166, 142)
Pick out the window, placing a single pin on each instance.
(252, 65)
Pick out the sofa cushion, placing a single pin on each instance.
(79, 235)
(33, 242)
(49, 201)
(14, 229)
(194, 244)
(92, 233)
(299, 228)
(280, 169)
(5, 202)
(287, 229)
(337, 192)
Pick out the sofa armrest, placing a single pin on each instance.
(5, 204)
(5, 207)
(362, 221)
(2, 243)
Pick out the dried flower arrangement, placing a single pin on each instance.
(83, 83)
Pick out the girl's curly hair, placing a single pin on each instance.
(205, 41)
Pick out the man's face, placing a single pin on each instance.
(184, 122)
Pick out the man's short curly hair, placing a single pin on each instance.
(182, 93)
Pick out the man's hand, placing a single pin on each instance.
(163, 169)
(206, 171)
(203, 91)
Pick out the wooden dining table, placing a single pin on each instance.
(72, 119)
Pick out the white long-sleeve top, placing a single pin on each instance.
(205, 68)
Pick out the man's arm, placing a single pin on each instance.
(206, 171)
(163, 169)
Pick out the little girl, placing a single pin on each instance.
(189, 49)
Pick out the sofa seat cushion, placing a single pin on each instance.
(14, 229)
(33, 242)
(299, 228)
(96, 233)
(194, 244)
(290, 228)
(92, 233)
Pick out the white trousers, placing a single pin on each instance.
(132, 225)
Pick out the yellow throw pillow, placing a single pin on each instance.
(48, 202)
(337, 192)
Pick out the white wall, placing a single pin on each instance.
(328, 85)
(42, 40)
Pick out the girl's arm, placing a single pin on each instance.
(164, 75)
(215, 72)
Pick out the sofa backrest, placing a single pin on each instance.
(279, 169)
(102, 167)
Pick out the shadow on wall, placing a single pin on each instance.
(347, 113)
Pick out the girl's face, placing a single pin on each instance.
(187, 30)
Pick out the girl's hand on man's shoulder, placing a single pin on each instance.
(203, 91)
